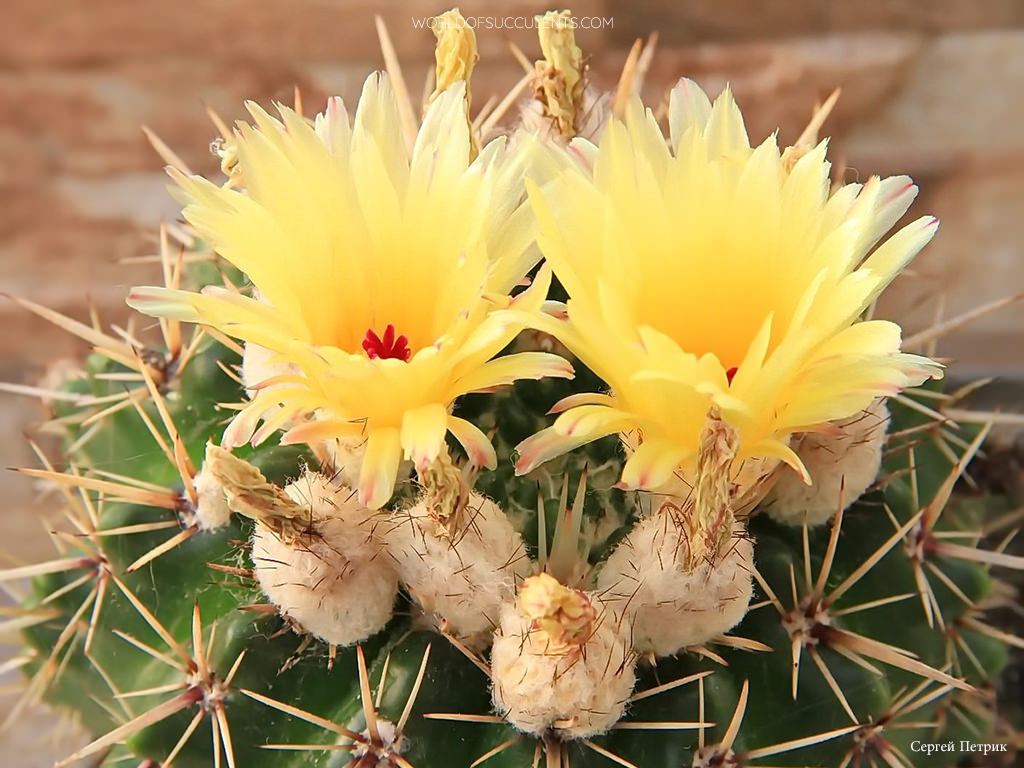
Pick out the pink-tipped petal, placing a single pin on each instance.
(164, 302)
(590, 422)
(583, 398)
(474, 442)
(504, 370)
(423, 431)
(241, 428)
(779, 450)
(380, 467)
(651, 465)
(542, 447)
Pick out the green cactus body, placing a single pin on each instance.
(275, 666)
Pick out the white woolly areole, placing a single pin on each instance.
(575, 695)
(847, 456)
(212, 511)
(463, 578)
(342, 522)
(336, 583)
(339, 601)
(672, 608)
(391, 743)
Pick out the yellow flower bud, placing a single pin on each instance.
(565, 615)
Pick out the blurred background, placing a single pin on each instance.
(932, 88)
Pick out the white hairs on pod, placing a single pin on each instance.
(575, 691)
(461, 574)
(671, 605)
(212, 511)
(334, 581)
(843, 461)
(339, 601)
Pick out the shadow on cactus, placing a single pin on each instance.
(328, 520)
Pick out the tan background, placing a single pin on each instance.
(931, 87)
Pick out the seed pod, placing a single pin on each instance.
(332, 577)
(561, 662)
(461, 565)
(683, 574)
(313, 584)
(671, 603)
(315, 551)
(843, 461)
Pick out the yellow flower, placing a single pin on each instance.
(702, 271)
(383, 274)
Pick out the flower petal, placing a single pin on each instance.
(476, 444)
(503, 371)
(423, 431)
(652, 465)
(380, 467)
(544, 446)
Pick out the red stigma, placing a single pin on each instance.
(386, 347)
(730, 374)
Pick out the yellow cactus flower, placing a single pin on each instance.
(705, 272)
(383, 277)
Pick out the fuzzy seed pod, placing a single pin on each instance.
(842, 461)
(683, 575)
(561, 662)
(672, 605)
(459, 570)
(313, 584)
(339, 518)
(315, 553)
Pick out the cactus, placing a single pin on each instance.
(489, 597)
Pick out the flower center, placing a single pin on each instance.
(386, 346)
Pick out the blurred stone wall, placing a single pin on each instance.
(930, 87)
